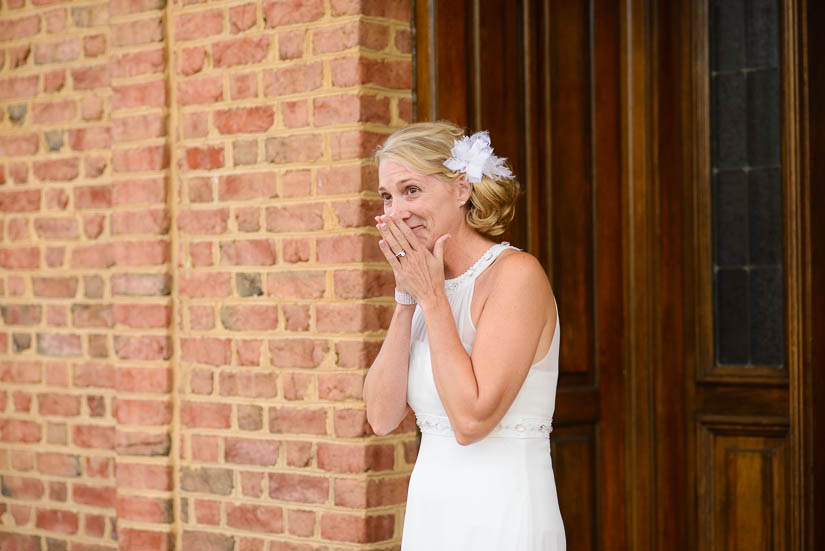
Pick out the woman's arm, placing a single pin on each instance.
(477, 391)
(385, 387)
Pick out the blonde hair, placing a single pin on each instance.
(424, 146)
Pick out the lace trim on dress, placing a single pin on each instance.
(516, 427)
(453, 283)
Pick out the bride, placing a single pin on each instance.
(472, 347)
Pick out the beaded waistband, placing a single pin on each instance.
(511, 427)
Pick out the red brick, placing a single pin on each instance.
(20, 487)
(252, 385)
(89, 78)
(208, 511)
(20, 201)
(210, 351)
(202, 221)
(244, 119)
(201, 24)
(83, 139)
(148, 477)
(348, 248)
(90, 374)
(298, 487)
(240, 51)
(21, 27)
(61, 51)
(293, 79)
(374, 36)
(144, 509)
(297, 352)
(243, 86)
(363, 283)
(205, 158)
(245, 186)
(340, 386)
(291, 44)
(207, 415)
(20, 371)
(205, 448)
(152, 221)
(287, 13)
(139, 159)
(138, 127)
(141, 443)
(57, 170)
(255, 518)
(301, 523)
(242, 18)
(141, 31)
(251, 452)
(294, 149)
(252, 252)
(58, 404)
(342, 318)
(356, 528)
(139, 540)
(192, 61)
(200, 91)
(196, 285)
(144, 94)
(156, 380)
(142, 412)
(355, 458)
(207, 541)
(49, 112)
(142, 348)
(94, 496)
(54, 520)
(18, 87)
(399, 10)
(148, 190)
(142, 315)
(296, 250)
(16, 430)
(90, 436)
(289, 420)
(351, 423)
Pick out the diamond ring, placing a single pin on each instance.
(400, 253)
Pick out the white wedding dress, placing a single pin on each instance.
(497, 493)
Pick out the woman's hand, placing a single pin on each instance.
(418, 272)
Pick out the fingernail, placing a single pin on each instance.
(382, 225)
(380, 241)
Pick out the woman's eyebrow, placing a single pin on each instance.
(404, 181)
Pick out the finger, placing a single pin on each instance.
(408, 234)
(390, 238)
(395, 230)
(388, 254)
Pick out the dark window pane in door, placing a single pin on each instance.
(766, 327)
(732, 336)
(762, 33)
(731, 218)
(746, 182)
(765, 207)
(764, 125)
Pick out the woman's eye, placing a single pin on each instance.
(386, 197)
(412, 189)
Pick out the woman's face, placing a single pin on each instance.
(426, 204)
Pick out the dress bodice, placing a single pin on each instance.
(530, 414)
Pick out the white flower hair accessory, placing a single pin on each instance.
(474, 156)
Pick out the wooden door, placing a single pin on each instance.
(664, 437)
(542, 77)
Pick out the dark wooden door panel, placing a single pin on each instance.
(535, 83)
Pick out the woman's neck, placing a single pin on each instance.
(462, 250)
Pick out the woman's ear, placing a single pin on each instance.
(464, 188)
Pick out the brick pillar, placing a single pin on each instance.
(191, 286)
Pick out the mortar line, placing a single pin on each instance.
(174, 241)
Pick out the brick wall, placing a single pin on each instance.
(190, 280)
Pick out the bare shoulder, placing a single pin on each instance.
(521, 268)
(519, 276)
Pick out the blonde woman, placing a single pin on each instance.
(472, 347)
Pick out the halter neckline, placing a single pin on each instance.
(452, 283)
